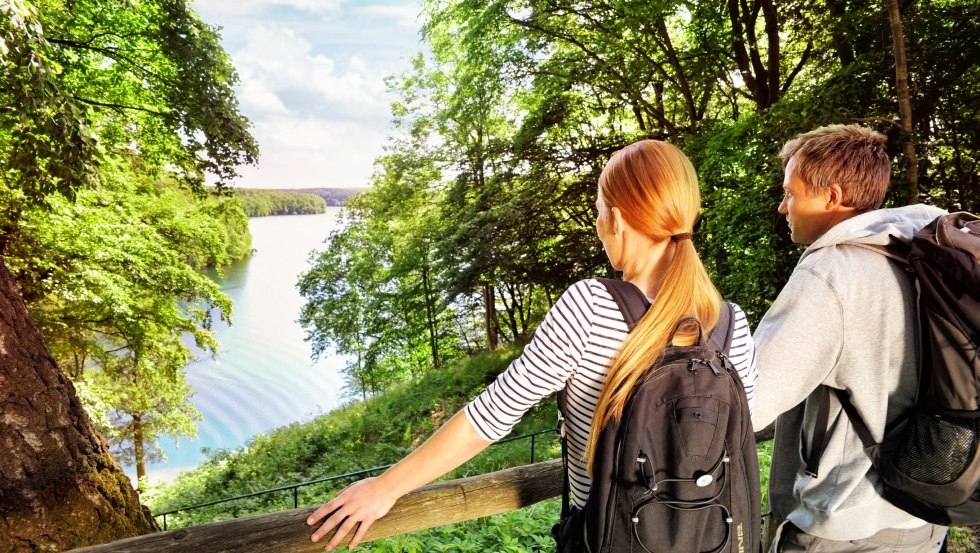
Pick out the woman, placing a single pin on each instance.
(648, 200)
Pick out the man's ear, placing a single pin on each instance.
(835, 197)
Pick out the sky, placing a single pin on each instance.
(312, 83)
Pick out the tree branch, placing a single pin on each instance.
(118, 107)
(110, 52)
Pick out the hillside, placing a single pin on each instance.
(363, 435)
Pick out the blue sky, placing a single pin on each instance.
(312, 82)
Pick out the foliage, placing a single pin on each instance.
(45, 143)
(111, 113)
(261, 203)
(112, 280)
(373, 294)
(93, 78)
(485, 192)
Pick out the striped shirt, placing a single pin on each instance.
(573, 350)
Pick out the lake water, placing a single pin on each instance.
(263, 376)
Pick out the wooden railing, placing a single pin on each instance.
(434, 505)
(293, 489)
(286, 531)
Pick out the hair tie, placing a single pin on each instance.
(681, 236)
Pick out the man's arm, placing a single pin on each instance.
(798, 344)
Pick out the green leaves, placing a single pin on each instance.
(85, 79)
(112, 280)
(100, 100)
(487, 189)
(46, 145)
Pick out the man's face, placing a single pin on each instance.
(808, 216)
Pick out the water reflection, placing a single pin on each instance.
(262, 377)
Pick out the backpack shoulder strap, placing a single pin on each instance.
(895, 250)
(630, 300)
(823, 419)
(721, 335)
(859, 427)
(632, 304)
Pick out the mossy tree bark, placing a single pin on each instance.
(59, 486)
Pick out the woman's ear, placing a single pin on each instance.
(616, 223)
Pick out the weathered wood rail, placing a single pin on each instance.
(433, 505)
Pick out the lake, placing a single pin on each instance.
(262, 376)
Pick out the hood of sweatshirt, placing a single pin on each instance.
(878, 227)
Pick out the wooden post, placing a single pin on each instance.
(434, 505)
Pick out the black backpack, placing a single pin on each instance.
(679, 471)
(929, 461)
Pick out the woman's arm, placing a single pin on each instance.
(368, 500)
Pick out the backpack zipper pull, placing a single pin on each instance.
(714, 368)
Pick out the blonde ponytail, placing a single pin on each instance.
(655, 187)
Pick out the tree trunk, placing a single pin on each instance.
(139, 450)
(490, 316)
(431, 317)
(904, 100)
(59, 487)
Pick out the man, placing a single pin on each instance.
(844, 320)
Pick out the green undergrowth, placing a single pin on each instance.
(357, 436)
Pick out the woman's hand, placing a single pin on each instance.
(368, 500)
(362, 502)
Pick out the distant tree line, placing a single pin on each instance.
(481, 210)
(333, 196)
(262, 202)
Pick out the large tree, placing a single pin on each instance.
(59, 486)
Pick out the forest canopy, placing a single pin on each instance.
(481, 210)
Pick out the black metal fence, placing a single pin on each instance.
(294, 488)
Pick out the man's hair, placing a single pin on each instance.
(850, 155)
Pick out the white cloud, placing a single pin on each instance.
(312, 82)
(244, 8)
(256, 98)
(294, 134)
(277, 61)
(322, 7)
(402, 15)
(313, 153)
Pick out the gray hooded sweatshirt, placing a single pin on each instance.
(844, 320)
